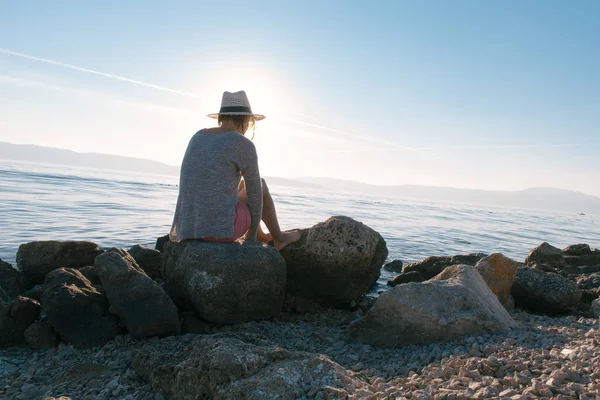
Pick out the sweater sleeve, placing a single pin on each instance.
(251, 174)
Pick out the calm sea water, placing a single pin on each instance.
(43, 202)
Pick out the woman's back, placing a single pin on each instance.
(208, 184)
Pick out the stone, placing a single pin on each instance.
(78, 311)
(591, 281)
(226, 282)
(334, 262)
(580, 249)
(546, 254)
(499, 273)
(394, 266)
(160, 243)
(590, 260)
(237, 366)
(453, 304)
(149, 260)
(91, 273)
(544, 292)
(36, 259)
(16, 318)
(40, 335)
(596, 308)
(406, 277)
(433, 265)
(35, 292)
(11, 282)
(141, 304)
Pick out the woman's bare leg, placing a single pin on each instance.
(269, 217)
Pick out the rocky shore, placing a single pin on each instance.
(176, 322)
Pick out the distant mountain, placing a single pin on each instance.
(534, 198)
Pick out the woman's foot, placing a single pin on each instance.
(286, 238)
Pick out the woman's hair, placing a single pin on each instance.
(240, 121)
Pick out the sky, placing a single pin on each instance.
(500, 95)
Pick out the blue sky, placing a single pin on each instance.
(491, 95)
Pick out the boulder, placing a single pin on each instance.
(11, 282)
(241, 366)
(160, 243)
(334, 262)
(16, 318)
(499, 274)
(91, 273)
(406, 277)
(546, 254)
(596, 308)
(226, 283)
(40, 335)
(77, 310)
(591, 259)
(544, 292)
(453, 304)
(149, 260)
(36, 259)
(394, 266)
(580, 249)
(433, 265)
(143, 306)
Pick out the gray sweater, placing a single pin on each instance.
(208, 186)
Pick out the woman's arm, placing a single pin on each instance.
(251, 175)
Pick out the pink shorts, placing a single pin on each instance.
(241, 223)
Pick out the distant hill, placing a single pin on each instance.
(535, 198)
(551, 199)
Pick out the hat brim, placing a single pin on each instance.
(257, 117)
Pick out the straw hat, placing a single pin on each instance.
(235, 104)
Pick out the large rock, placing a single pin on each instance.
(143, 306)
(41, 335)
(406, 277)
(11, 282)
(433, 265)
(591, 259)
(544, 292)
(241, 366)
(499, 274)
(580, 249)
(149, 260)
(77, 310)
(334, 262)
(16, 318)
(36, 259)
(160, 243)
(226, 283)
(547, 255)
(453, 304)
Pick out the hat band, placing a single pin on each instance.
(242, 109)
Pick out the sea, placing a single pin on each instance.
(114, 208)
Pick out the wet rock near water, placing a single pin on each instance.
(36, 259)
(431, 266)
(226, 283)
(149, 260)
(394, 266)
(160, 243)
(11, 283)
(455, 303)
(334, 262)
(499, 272)
(546, 254)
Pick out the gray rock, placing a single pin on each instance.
(160, 243)
(41, 335)
(592, 259)
(149, 260)
(580, 249)
(596, 308)
(35, 292)
(226, 283)
(143, 306)
(546, 254)
(544, 292)
(77, 310)
(334, 262)
(394, 266)
(431, 266)
(591, 281)
(36, 259)
(453, 304)
(15, 318)
(91, 273)
(238, 366)
(11, 282)
(406, 277)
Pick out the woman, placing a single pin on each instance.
(213, 203)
